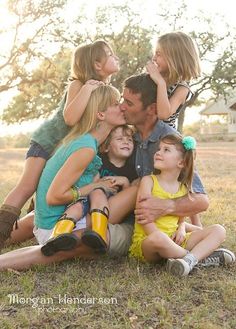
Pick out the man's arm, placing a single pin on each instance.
(150, 207)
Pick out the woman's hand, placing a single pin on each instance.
(108, 184)
(118, 181)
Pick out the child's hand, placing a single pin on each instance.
(93, 84)
(118, 181)
(179, 236)
(108, 185)
(153, 70)
(121, 181)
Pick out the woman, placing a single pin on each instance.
(75, 163)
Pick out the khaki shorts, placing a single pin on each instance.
(120, 239)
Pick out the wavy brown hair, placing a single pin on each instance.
(186, 174)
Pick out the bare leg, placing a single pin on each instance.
(158, 245)
(24, 231)
(27, 184)
(122, 204)
(98, 200)
(26, 257)
(203, 242)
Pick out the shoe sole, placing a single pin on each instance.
(94, 241)
(62, 242)
(176, 267)
(229, 256)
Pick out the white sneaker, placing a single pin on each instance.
(219, 257)
(178, 267)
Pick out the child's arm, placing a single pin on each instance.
(165, 106)
(145, 189)
(179, 236)
(59, 191)
(77, 99)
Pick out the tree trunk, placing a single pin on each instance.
(181, 119)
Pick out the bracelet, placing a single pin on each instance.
(76, 194)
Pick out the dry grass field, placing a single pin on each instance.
(122, 293)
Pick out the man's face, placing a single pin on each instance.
(133, 108)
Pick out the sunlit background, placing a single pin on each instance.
(218, 10)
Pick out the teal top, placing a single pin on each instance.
(46, 216)
(53, 130)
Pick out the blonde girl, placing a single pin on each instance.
(166, 237)
(92, 65)
(174, 64)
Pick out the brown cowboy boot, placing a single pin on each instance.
(8, 216)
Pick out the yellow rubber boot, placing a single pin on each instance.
(64, 225)
(97, 237)
(61, 238)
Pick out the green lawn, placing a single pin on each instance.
(122, 293)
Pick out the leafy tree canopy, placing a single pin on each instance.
(38, 66)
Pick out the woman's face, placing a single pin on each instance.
(114, 115)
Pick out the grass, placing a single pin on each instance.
(123, 293)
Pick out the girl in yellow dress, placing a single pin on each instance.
(166, 237)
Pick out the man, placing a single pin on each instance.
(139, 106)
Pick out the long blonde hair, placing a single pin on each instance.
(181, 56)
(84, 59)
(101, 98)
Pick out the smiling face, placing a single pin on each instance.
(121, 144)
(168, 157)
(160, 60)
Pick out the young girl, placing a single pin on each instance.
(167, 238)
(92, 65)
(114, 170)
(174, 64)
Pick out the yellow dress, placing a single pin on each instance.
(167, 224)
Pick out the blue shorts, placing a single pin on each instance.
(85, 204)
(37, 151)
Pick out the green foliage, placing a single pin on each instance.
(41, 91)
(41, 78)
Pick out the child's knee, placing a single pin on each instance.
(156, 239)
(219, 231)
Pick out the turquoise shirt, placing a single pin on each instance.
(46, 216)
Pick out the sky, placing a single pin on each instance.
(209, 7)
